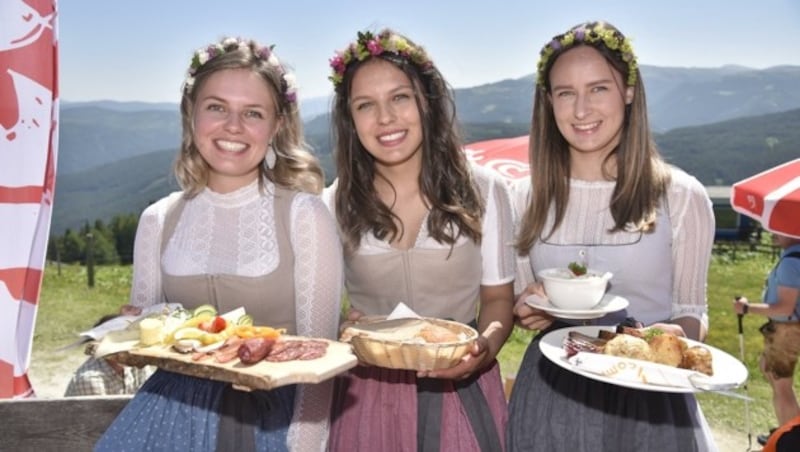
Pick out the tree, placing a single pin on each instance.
(123, 228)
(73, 246)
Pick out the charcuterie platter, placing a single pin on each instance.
(226, 348)
(338, 358)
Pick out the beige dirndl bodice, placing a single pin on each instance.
(441, 283)
(269, 298)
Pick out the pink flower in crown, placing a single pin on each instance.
(374, 47)
(337, 63)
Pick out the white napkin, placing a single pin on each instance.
(402, 311)
(123, 321)
(636, 371)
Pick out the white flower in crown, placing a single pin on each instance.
(291, 87)
(272, 60)
(202, 56)
(395, 43)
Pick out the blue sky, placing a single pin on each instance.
(139, 49)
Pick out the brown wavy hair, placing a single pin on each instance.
(641, 177)
(445, 180)
(295, 167)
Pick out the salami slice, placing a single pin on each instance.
(297, 350)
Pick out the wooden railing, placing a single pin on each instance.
(65, 424)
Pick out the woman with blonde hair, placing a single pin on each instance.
(247, 230)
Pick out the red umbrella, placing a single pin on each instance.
(506, 156)
(772, 197)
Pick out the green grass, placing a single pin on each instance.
(67, 306)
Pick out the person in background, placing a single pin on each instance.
(422, 226)
(781, 305)
(101, 376)
(601, 195)
(248, 230)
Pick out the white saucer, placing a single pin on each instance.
(609, 303)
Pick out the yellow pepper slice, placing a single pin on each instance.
(250, 331)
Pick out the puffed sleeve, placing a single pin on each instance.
(318, 287)
(328, 196)
(497, 243)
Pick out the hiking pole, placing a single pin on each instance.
(746, 401)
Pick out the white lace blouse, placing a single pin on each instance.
(234, 233)
(587, 220)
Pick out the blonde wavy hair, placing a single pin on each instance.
(295, 167)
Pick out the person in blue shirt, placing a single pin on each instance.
(781, 304)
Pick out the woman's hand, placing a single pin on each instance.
(527, 316)
(474, 361)
(351, 318)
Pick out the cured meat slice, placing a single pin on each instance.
(254, 350)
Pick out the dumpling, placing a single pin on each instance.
(627, 346)
(698, 358)
(667, 349)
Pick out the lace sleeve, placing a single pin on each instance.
(692, 219)
(146, 284)
(497, 243)
(318, 287)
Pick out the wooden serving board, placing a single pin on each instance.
(338, 358)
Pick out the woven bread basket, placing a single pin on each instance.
(400, 343)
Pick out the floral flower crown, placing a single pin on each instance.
(597, 33)
(264, 53)
(368, 45)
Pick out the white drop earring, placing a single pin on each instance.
(271, 157)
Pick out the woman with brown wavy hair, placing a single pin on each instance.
(422, 227)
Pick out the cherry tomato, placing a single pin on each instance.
(213, 325)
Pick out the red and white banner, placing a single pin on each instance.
(506, 156)
(28, 150)
(772, 197)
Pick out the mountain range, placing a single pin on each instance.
(720, 124)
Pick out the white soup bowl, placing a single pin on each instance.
(567, 291)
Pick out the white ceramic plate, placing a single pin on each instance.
(609, 303)
(729, 372)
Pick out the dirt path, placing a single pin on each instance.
(729, 440)
(50, 372)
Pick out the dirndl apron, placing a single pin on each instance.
(554, 409)
(377, 409)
